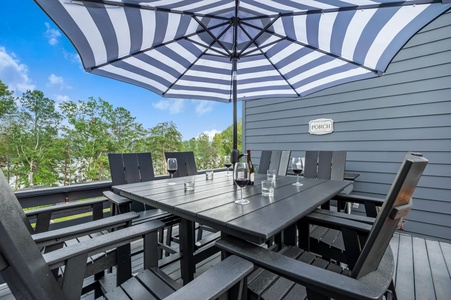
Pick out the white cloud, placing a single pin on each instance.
(62, 98)
(211, 133)
(72, 57)
(173, 106)
(203, 106)
(52, 35)
(56, 80)
(13, 73)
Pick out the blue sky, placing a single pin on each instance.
(35, 54)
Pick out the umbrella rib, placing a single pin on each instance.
(216, 39)
(190, 66)
(315, 49)
(254, 39)
(274, 66)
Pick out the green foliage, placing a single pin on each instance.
(42, 145)
(164, 137)
(30, 134)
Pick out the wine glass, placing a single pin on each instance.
(172, 168)
(298, 166)
(241, 178)
(227, 163)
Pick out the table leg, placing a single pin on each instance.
(187, 264)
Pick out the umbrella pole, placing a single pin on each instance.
(235, 155)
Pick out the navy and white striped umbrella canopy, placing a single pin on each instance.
(273, 48)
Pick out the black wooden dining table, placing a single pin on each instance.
(212, 203)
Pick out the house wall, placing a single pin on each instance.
(377, 121)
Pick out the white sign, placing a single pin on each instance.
(321, 126)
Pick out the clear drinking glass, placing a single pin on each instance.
(227, 163)
(172, 168)
(241, 178)
(298, 166)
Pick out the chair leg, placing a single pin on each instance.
(168, 238)
(160, 241)
(200, 233)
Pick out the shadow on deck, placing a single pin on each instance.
(423, 268)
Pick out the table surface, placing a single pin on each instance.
(212, 202)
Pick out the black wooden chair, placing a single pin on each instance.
(369, 259)
(274, 160)
(185, 161)
(325, 164)
(29, 275)
(128, 168)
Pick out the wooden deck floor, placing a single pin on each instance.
(423, 269)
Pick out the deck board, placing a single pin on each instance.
(423, 269)
(440, 272)
(404, 280)
(424, 288)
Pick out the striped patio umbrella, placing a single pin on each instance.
(229, 50)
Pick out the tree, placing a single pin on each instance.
(31, 133)
(94, 129)
(7, 104)
(204, 152)
(8, 108)
(163, 137)
(223, 141)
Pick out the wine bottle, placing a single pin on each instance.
(251, 167)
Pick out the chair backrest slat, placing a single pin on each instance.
(284, 162)
(324, 164)
(146, 166)
(338, 165)
(387, 220)
(311, 164)
(117, 168)
(131, 168)
(265, 159)
(275, 160)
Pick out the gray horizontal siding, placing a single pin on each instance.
(377, 121)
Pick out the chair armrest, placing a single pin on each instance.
(371, 203)
(44, 215)
(68, 233)
(336, 222)
(334, 285)
(115, 198)
(357, 218)
(351, 176)
(215, 281)
(359, 199)
(101, 243)
(68, 206)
